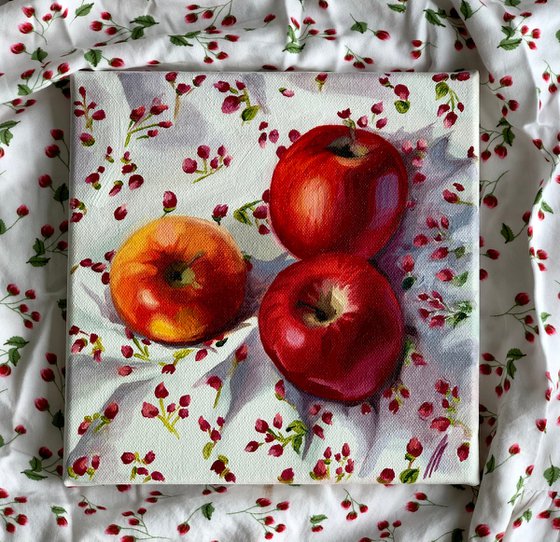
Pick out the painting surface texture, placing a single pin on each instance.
(273, 278)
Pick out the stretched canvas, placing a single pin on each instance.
(273, 278)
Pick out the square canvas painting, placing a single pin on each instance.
(273, 278)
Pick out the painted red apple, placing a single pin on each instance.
(333, 327)
(338, 190)
(178, 279)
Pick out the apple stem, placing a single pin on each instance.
(319, 313)
(352, 130)
(180, 274)
(198, 255)
(177, 106)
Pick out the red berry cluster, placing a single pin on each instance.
(419, 47)
(359, 62)
(386, 529)
(221, 468)
(142, 114)
(168, 414)
(55, 12)
(140, 464)
(237, 98)
(450, 398)
(209, 489)
(552, 510)
(182, 89)
(539, 256)
(344, 468)
(45, 245)
(210, 165)
(524, 316)
(134, 522)
(90, 508)
(84, 465)
(119, 33)
(421, 500)
(551, 78)
(9, 514)
(265, 517)
(89, 338)
(91, 113)
(516, 31)
(212, 13)
(486, 417)
(214, 433)
(299, 34)
(397, 393)
(444, 90)
(402, 92)
(97, 267)
(99, 419)
(19, 106)
(209, 37)
(363, 121)
(255, 213)
(294, 437)
(20, 307)
(355, 508)
(54, 151)
(264, 136)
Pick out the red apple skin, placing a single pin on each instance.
(323, 202)
(349, 357)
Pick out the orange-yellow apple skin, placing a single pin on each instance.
(178, 280)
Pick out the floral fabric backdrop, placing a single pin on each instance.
(515, 46)
(219, 410)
